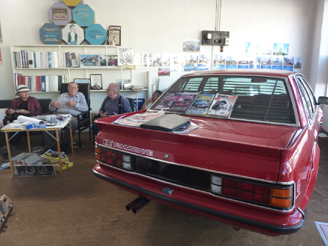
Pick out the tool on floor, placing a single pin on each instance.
(5, 208)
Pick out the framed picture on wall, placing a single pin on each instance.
(114, 35)
(82, 80)
(95, 81)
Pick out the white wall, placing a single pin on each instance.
(162, 26)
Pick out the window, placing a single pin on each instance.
(259, 98)
(306, 98)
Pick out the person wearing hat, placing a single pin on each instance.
(25, 105)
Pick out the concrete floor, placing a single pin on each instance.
(76, 208)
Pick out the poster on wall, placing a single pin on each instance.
(277, 62)
(0, 34)
(266, 62)
(191, 46)
(243, 62)
(231, 62)
(288, 63)
(252, 49)
(203, 62)
(219, 62)
(280, 49)
(177, 63)
(163, 71)
(298, 63)
(1, 63)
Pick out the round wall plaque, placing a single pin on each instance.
(60, 14)
(73, 34)
(50, 33)
(83, 15)
(95, 34)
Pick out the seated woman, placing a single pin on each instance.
(22, 105)
(151, 100)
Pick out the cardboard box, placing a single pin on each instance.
(65, 165)
(26, 159)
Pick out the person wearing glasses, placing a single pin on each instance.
(113, 104)
(72, 102)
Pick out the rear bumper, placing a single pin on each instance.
(259, 226)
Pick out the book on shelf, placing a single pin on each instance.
(50, 59)
(43, 83)
(30, 59)
(112, 60)
(73, 59)
(38, 83)
(201, 105)
(125, 84)
(102, 60)
(222, 105)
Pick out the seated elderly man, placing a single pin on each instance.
(72, 102)
(25, 105)
(113, 104)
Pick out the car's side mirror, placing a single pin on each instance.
(323, 100)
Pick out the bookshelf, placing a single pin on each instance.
(51, 60)
(31, 61)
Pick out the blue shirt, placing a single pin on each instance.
(79, 98)
(111, 106)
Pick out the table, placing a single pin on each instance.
(59, 126)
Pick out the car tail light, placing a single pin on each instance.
(275, 196)
(113, 158)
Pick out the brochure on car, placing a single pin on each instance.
(222, 105)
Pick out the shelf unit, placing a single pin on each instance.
(110, 74)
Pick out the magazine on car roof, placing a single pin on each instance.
(201, 104)
(176, 101)
(222, 105)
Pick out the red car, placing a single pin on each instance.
(254, 168)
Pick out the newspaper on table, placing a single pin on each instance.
(138, 119)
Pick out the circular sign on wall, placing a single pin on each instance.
(72, 3)
(73, 34)
(60, 14)
(95, 34)
(50, 33)
(83, 15)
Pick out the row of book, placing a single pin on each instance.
(44, 59)
(198, 104)
(56, 59)
(41, 82)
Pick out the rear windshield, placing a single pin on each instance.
(249, 98)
